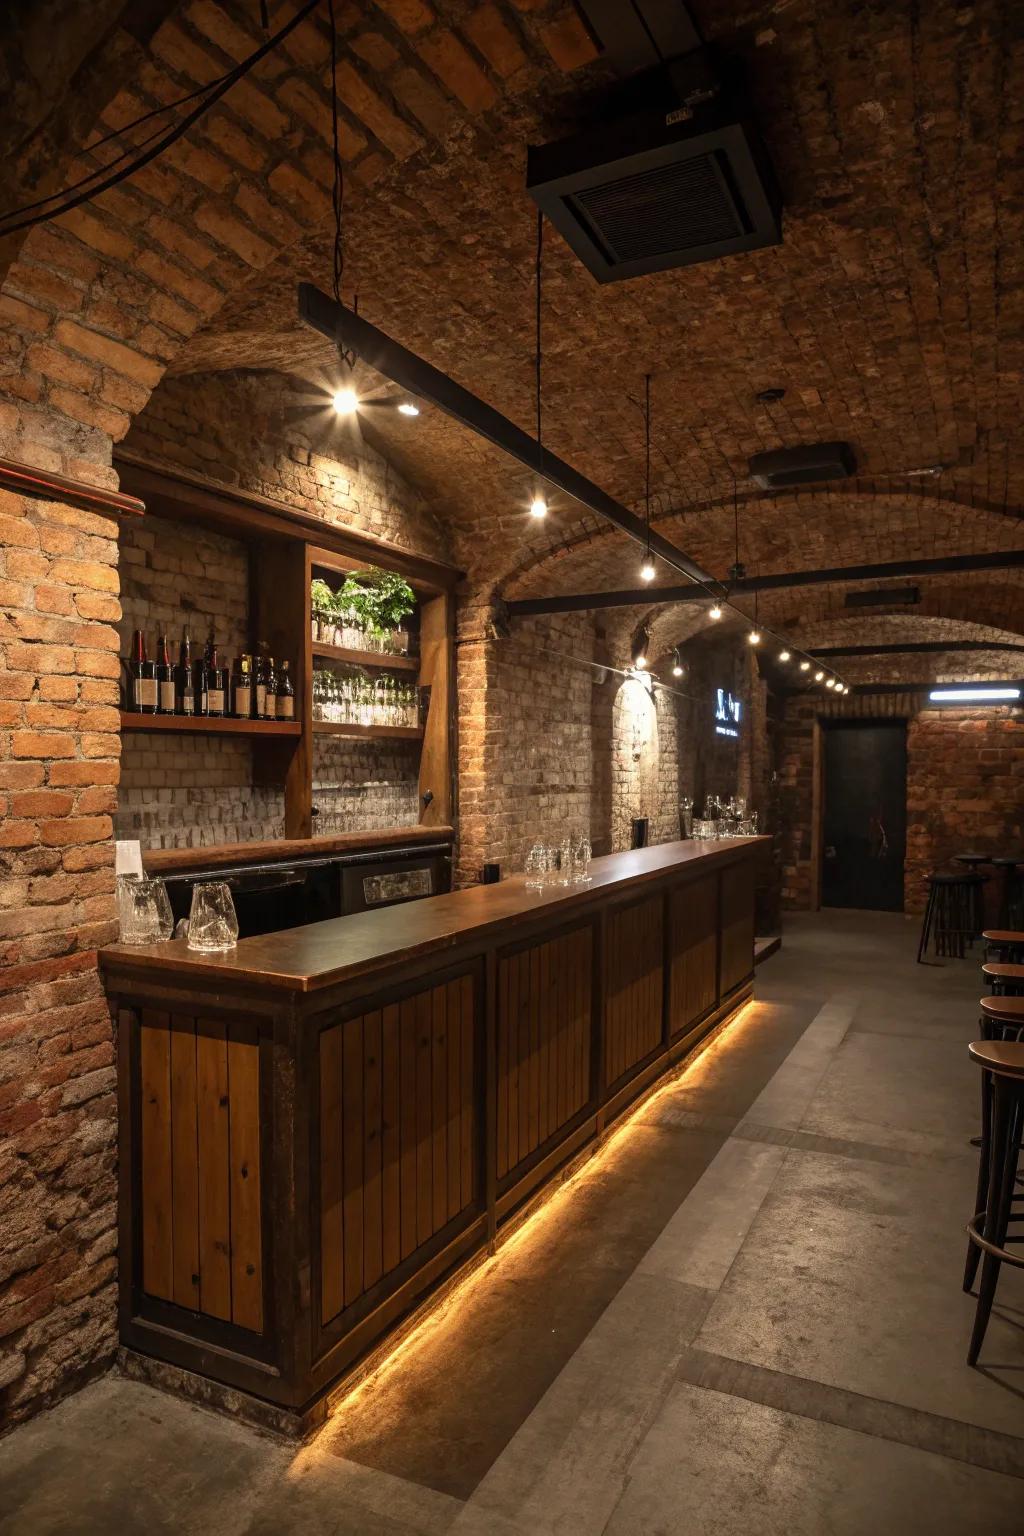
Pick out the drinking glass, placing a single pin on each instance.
(143, 910)
(537, 867)
(582, 853)
(212, 923)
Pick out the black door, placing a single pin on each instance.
(865, 832)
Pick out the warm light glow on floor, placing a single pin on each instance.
(538, 1212)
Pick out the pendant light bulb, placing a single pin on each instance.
(783, 655)
(677, 663)
(805, 666)
(538, 506)
(408, 409)
(754, 637)
(818, 676)
(830, 682)
(715, 613)
(647, 571)
(346, 401)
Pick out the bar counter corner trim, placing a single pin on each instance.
(302, 1167)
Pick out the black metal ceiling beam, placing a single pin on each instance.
(426, 382)
(1001, 560)
(917, 648)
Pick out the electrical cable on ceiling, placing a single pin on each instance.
(27, 218)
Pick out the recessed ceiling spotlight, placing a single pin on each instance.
(345, 401)
(770, 396)
(408, 409)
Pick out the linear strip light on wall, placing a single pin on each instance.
(1004, 694)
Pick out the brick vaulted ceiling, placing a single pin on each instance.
(891, 314)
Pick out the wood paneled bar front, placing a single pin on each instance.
(322, 1126)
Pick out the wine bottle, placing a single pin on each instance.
(216, 680)
(241, 693)
(270, 696)
(184, 684)
(285, 694)
(260, 684)
(141, 678)
(165, 704)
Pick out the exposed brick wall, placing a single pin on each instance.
(58, 772)
(965, 785)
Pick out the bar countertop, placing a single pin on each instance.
(344, 948)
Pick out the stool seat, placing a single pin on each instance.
(1008, 860)
(1009, 1010)
(1003, 936)
(973, 858)
(1003, 1056)
(997, 970)
(956, 877)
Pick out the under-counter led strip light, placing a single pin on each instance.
(974, 695)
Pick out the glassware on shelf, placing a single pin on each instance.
(212, 923)
(143, 910)
(562, 862)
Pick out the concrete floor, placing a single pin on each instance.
(745, 1318)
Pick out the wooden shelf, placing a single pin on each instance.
(369, 732)
(209, 725)
(366, 658)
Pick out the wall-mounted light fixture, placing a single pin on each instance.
(677, 662)
(345, 401)
(639, 646)
(981, 693)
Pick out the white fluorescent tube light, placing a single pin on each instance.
(973, 695)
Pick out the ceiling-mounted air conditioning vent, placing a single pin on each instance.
(800, 466)
(883, 597)
(684, 179)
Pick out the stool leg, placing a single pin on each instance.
(981, 1197)
(929, 909)
(997, 1210)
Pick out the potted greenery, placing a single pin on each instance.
(379, 600)
(322, 610)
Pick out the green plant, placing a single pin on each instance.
(321, 597)
(380, 599)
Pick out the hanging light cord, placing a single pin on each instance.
(538, 355)
(647, 460)
(337, 190)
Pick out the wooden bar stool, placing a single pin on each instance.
(1005, 944)
(1005, 980)
(1002, 1116)
(952, 914)
(1002, 1018)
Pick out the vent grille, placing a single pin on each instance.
(675, 207)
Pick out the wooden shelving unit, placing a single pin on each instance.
(209, 725)
(369, 732)
(285, 549)
(378, 659)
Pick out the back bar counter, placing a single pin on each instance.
(322, 1125)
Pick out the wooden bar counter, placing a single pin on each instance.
(319, 1127)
